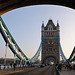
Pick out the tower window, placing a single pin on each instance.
(51, 28)
(51, 33)
(50, 49)
(47, 33)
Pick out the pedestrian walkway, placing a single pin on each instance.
(67, 72)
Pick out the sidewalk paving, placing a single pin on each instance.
(67, 72)
(12, 70)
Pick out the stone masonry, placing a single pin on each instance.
(50, 45)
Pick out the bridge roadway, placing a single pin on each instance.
(48, 70)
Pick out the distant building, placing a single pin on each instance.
(50, 45)
(9, 61)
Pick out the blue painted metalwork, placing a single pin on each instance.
(5, 33)
(72, 56)
(37, 54)
(13, 41)
(6, 40)
(62, 54)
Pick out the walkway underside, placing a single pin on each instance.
(7, 5)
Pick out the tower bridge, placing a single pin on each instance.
(50, 42)
(50, 46)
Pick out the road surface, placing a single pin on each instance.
(48, 70)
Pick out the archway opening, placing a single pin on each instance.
(50, 60)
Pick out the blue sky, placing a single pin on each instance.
(25, 26)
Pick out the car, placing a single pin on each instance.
(42, 65)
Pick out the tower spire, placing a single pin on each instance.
(57, 23)
(50, 18)
(58, 27)
(42, 23)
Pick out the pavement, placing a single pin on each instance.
(11, 71)
(67, 72)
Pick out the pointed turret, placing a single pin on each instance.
(50, 38)
(42, 25)
(58, 27)
(50, 19)
(50, 23)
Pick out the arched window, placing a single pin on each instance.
(50, 27)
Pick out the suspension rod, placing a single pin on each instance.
(6, 52)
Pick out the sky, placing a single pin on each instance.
(25, 26)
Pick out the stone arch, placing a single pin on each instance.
(7, 5)
(50, 59)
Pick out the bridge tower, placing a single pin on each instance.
(50, 46)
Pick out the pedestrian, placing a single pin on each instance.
(60, 67)
(69, 66)
(14, 66)
(11, 65)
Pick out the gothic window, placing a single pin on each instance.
(52, 42)
(51, 28)
(50, 49)
(51, 33)
(48, 42)
(47, 33)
